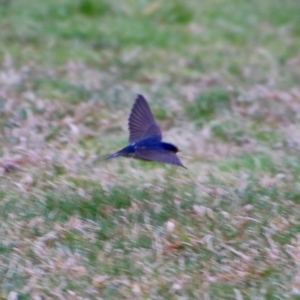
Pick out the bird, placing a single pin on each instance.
(145, 137)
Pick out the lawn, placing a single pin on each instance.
(222, 79)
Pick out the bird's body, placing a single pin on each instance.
(151, 144)
(145, 137)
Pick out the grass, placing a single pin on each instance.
(222, 80)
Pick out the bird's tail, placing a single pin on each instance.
(105, 157)
(114, 155)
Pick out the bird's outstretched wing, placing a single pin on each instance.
(162, 156)
(141, 122)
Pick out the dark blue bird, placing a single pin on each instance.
(145, 137)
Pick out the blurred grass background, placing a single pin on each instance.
(222, 78)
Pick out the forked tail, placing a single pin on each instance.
(114, 155)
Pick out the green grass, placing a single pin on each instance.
(222, 79)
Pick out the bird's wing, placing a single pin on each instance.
(162, 156)
(141, 122)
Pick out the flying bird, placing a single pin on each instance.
(145, 138)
